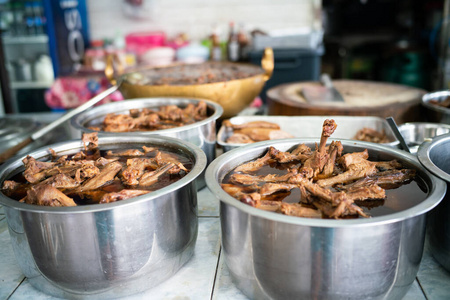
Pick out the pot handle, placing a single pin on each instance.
(112, 61)
(267, 63)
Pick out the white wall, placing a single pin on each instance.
(107, 17)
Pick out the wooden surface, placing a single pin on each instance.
(362, 98)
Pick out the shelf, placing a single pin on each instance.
(20, 40)
(30, 85)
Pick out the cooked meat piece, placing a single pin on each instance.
(122, 195)
(302, 149)
(127, 152)
(162, 158)
(320, 156)
(135, 169)
(252, 166)
(90, 141)
(10, 185)
(239, 138)
(150, 178)
(370, 192)
(386, 179)
(251, 199)
(252, 124)
(297, 210)
(334, 150)
(61, 181)
(371, 135)
(148, 149)
(388, 165)
(285, 157)
(263, 134)
(86, 171)
(268, 205)
(271, 188)
(100, 162)
(356, 167)
(106, 175)
(47, 195)
(235, 190)
(246, 179)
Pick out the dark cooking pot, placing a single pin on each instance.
(106, 250)
(434, 156)
(274, 256)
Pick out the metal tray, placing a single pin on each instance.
(311, 127)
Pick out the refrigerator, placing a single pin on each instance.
(40, 40)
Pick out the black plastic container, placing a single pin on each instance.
(291, 65)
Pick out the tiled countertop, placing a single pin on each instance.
(205, 276)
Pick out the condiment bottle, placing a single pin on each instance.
(216, 50)
(233, 44)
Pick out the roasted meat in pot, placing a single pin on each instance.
(95, 176)
(146, 119)
(327, 182)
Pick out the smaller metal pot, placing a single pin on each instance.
(202, 133)
(434, 157)
(106, 250)
(436, 113)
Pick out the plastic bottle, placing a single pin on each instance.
(233, 44)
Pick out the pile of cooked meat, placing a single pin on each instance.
(367, 134)
(146, 119)
(192, 74)
(254, 131)
(331, 183)
(93, 176)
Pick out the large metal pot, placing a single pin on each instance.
(434, 156)
(106, 250)
(202, 133)
(232, 95)
(273, 256)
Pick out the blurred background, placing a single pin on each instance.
(53, 52)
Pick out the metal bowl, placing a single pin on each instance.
(274, 256)
(434, 156)
(106, 250)
(232, 95)
(416, 133)
(202, 133)
(434, 112)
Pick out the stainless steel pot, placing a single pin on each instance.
(202, 133)
(434, 157)
(436, 113)
(106, 250)
(273, 256)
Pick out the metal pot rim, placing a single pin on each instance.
(435, 195)
(77, 120)
(75, 145)
(423, 154)
(427, 97)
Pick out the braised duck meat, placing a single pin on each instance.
(165, 117)
(114, 175)
(371, 135)
(253, 131)
(325, 183)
